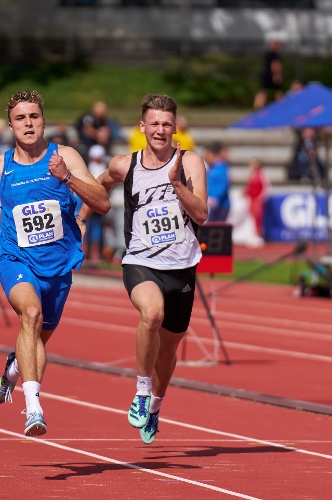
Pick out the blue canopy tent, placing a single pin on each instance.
(308, 107)
(296, 109)
(318, 117)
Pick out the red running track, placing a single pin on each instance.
(209, 446)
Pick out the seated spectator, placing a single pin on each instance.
(5, 144)
(62, 134)
(183, 135)
(95, 127)
(218, 184)
(98, 160)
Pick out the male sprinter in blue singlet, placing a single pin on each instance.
(165, 199)
(39, 242)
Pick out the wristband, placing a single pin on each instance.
(66, 179)
(80, 218)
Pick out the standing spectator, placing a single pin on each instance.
(136, 139)
(306, 164)
(218, 183)
(183, 135)
(311, 166)
(256, 190)
(97, 164)
(272, 75)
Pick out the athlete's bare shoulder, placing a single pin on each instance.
(192, 160)
(119, 166)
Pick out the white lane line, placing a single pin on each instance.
(244, 322)
(279, 352)
(223, 302)
(108, 327)
(239, 319)
(195, 442)
(183, 424)
(266, 329)
(128, 465)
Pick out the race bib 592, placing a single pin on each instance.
(38, 222)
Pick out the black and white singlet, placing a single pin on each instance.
(158, 232)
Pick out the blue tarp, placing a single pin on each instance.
(310, 106)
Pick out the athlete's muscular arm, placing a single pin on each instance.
(116, 172)
(192, 197)
(81, 180)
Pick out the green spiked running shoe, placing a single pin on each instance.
(139, 411)
(35, 425)
(7, 387)
(149, 431)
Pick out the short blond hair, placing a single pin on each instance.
(25, 96)
(161, 102)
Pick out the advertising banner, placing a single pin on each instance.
(298, 216)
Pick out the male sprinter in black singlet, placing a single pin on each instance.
(165, 200)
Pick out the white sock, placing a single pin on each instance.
(143, 386)
(155, 403)
(13, 373)
(31, 393)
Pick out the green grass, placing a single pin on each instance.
(69, 95)
(212, 89)
(285, 272)
(72, 92)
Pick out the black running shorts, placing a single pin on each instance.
(177, 287)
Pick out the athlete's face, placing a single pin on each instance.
(27, 123)
(158, 126)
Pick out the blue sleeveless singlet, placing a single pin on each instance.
(38, 223)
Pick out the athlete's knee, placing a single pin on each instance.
(32, 316)
(152, 317)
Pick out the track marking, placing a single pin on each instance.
(270, 330)
(225, 301)
(183, 424)
(280, 352)
(97, 325)
(195, 442)
(243, 321)
(121, 306)
(249, 322)
(238, 345)
(128, 465)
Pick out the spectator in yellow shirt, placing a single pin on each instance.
(136, 139)
(183, 135)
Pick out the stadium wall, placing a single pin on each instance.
(112, 31)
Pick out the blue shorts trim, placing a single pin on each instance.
(52, 292)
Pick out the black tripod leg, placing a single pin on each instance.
(211, 318)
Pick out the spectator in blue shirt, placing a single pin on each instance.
(218, 184)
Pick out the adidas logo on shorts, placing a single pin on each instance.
(186, 289)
